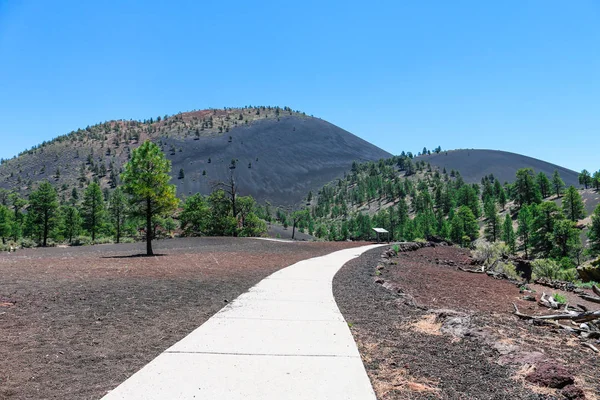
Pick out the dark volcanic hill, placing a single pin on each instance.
(278, 161)
(280, 154)
(475, 164)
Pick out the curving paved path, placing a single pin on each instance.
(283, 339)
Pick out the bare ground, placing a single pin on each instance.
(475, 349)
(76, 322)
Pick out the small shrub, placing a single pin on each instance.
(81, 241)
(396, 248)
(545, 268)
(569, 275)
(487, 253)
(586, 285)
(567, 263)
(559, 298)
(26, 243)
(103, 240)
(509, 270)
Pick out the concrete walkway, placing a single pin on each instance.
(283, 339)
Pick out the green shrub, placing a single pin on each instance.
(487, 253)
(396, 248)
(509, 270)
(586, 285)
(569, 275)
(26, 243)
(559, 298)
(545, 268)
(81, 241)
(567, 263)
(103, 240)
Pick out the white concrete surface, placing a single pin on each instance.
(283, 339)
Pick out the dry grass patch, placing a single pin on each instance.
(428, 324)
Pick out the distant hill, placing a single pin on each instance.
(279, 154)
(475, 164)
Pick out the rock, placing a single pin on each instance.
(523, 268)
(573, 392)
(379, 281)
(529, 298)
(550, 375)
(589, 273)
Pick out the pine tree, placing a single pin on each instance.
(594, 232)
(544, 218)
(557, 183)
(585, 178)
(93, 209)
(572, 205)
(596, 180)
(146, 180)
(467, 196)
(5, 222)
(117, 209)
(525, 228)
(464, 222)
(41, 213)
(526, 189)
(565, 238)
(492, 223)
(508, 234)
(71, 222)
(544, 184)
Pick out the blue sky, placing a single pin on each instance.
(521, 76)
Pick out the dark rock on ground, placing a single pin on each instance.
(551, 375)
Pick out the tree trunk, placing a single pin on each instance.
(118, 230)
(293, 229)
(45, 229)
(149, 229)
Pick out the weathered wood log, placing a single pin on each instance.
(590, 346)
(593, 299)
(584, 308)
(548, 301)
(571, 315)
(496, 275)
(473, 271)
(596, 290)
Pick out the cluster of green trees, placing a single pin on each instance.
(145, 200)
(214, 215)
(416, 201)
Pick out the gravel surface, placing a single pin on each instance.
(412, 352)
(76, 322)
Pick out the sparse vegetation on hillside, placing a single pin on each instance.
(412, 200)
(99, 152)
(146, 204)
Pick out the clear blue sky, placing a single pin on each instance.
(521, 76)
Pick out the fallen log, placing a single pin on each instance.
(593, 299)
(590, 346)
(571, 315)
(496, 275)
(548, 301)
(584, 308)
(596, 290)
(473, 271)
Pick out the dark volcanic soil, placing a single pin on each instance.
(76, 322)
(409, 352)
